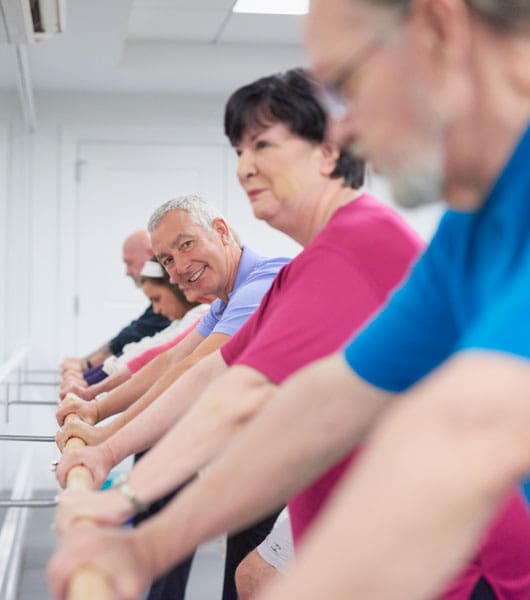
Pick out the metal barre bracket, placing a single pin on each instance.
(34, 402)
(39, 383)
(28, 503)
(26, 438)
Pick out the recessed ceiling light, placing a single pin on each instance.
(272, 7)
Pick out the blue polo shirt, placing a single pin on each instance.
(254, 277)
(470, 290)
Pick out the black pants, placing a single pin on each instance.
(238, 546)
(482, 591)
(172, 586)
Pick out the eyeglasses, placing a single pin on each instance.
(329, 93)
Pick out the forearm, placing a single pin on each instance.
(97, 357)
(320, 422)
(228, 403)
(175, 368)
(147, 428)
(159, 387)
(111, 382)
(134, 407)
(430, 481)
(130, 433)
(130, 391)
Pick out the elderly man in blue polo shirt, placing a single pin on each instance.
(196, 246)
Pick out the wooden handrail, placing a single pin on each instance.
(86, 583)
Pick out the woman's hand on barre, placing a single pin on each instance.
(92, 436)
(77, 388)
(103, 508)
(97, 459)
(116, 554)
(71, 363)
(72, 404)
(73, 377)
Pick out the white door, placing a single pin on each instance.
(119, 186)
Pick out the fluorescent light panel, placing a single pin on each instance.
(272, 7)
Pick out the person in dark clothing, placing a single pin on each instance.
(135, 252)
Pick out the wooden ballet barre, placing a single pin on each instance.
(86, 583)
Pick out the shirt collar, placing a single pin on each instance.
(247, 263)
(505, 198)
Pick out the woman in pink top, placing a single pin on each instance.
(167, 300)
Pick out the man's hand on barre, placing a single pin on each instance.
(97, 459)
(103, 508)
(115, 554)
(72, 404)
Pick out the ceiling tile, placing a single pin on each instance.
(96, 55)
(187, 4)
(263, 29)
(171, 23)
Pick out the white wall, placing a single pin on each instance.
(15, 167)
(38, 189)
(38, 206)
(45, 222)
(4, 144)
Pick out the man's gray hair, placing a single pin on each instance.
(200, 210)
(504, 14)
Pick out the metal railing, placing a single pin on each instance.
(25, 378)
(14, 376)
(13, 363)
(12, 533)
(25, 501)
(14, 524)
(86, 583)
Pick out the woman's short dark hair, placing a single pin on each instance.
(287, 98)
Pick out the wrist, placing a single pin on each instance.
(110, 459)
(120, 506)
(147, 551)
(129, 496)
(97, 416)
(89, 394)
(100, 399)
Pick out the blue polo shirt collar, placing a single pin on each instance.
(505, 201)
(247, 264)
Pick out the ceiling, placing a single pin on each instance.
(158, 46)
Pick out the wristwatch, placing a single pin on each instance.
(125, 489)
